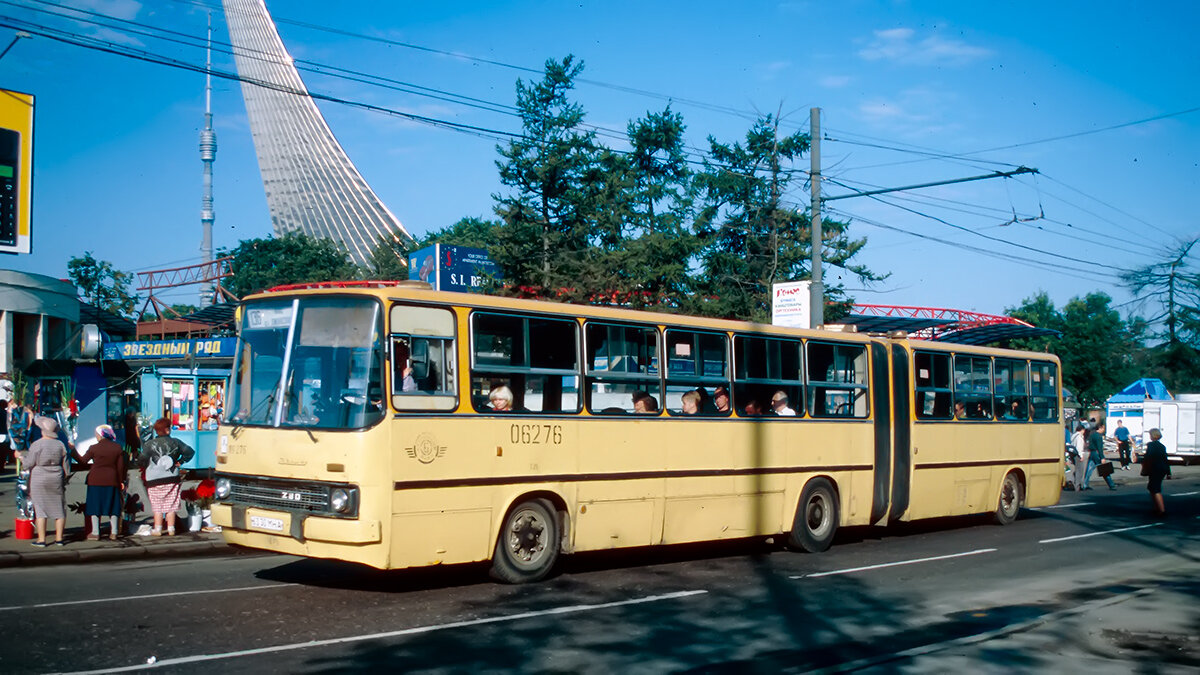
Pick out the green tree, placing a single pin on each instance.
(1041, 312)
(657, 245)
(259, 264)
(751, 238)
(551, 171)
(1099, 350)
(101, 284)
(1173, 287)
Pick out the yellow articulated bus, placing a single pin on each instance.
(391, 425)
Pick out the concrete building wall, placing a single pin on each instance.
(38, 319)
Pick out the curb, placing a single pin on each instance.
(93, 555)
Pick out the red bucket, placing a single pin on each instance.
(24, 529)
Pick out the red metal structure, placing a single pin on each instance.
(204, 273)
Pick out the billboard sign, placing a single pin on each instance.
(789, 304)
(452, 268)
(16, 170)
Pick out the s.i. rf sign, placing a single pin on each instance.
(16, 170)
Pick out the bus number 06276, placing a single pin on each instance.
(536, 434)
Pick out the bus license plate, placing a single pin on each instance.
(264, 523)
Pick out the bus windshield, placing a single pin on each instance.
(314, 362)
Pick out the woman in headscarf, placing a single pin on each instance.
(105, 481)
(48, 460)
(162, 457)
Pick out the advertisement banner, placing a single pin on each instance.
(452, 268)
(16, 171)
(789, 304)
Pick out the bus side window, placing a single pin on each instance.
(537, 358)
(422, 358)
(932, 380)
(837, 379)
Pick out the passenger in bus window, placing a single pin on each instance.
(403, 361)
(690, 403)
(501, 399)
(754, 409)
(1014, 411)
(960, 410)
(981, 412)
(721, 399)
(779, 403)
(644, 403)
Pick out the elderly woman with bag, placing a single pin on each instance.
(105, 481)
(49, 461)
(162, 457)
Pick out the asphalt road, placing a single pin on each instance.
(1093, 585)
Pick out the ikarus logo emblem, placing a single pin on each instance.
(426, 449)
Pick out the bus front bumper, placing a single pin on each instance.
(301, 527)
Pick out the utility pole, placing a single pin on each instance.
(816, 292)
(817, 289)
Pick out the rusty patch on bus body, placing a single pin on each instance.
(426, 449)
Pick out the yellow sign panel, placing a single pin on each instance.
(16, 170)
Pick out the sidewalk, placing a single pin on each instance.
(14, 552)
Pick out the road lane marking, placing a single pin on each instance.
(144, 597)
(1096, 534)
(1064, 506)
(893, 564)
(1187, 494)
(557, 611)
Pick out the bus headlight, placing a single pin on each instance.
(339, 500)
(224, 487)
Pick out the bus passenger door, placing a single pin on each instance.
(902, 432)
(881, 401)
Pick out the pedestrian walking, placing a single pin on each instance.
(49, 462)
(1079, 445)
(1095, 447)
(1156, 467)
(1121, 433)
(105, 481)
(161, 458)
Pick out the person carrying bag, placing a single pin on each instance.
(162, 458)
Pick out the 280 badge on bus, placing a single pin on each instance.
(536, 434)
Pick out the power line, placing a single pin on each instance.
(1084, 274)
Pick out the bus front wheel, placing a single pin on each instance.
(816, 517)
(528, 545)
(1011, 498)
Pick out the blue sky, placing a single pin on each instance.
(117, 170)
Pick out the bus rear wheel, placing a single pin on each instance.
(528, 545)
(816, 517)
(1011, 498)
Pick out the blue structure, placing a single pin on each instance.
(1128, 404)
(184, 381)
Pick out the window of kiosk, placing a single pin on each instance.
(193, 404)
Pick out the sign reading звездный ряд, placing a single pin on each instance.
(452, 268)
(790, 304)
(211, 348)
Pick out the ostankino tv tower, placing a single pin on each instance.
(208, 154)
